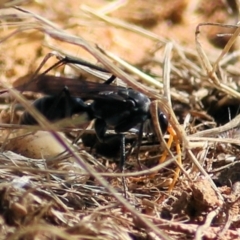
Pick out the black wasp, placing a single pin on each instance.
(112, 107)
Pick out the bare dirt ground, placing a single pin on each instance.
(192, 73)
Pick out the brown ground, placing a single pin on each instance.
(47, 197)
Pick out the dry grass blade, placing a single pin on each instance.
(211, 74)
(234, 123)
(201, 229)
(11, 3)
(146, 78)
(166, 72)
(118, 23)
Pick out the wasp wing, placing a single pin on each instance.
(53, 85)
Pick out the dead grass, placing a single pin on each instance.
(80, 196)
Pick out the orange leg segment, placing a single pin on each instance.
(172, 138)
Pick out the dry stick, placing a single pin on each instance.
(166, 78)
(202, 170)
(46, 58)
(200, 167)
(102, 174)
(166, 83)
(145, 33)
(167, 94)
(132, 28)
(203, 228)
(227, 47)
(211, 74)
(166, 72)
(211, 139)
(192, 228)
(148, 79)
(232, 208)
(121, 24)
(216, 131)
(8, 4)
(154, 112)
(112, 6)
(34, 228)
(232, 56)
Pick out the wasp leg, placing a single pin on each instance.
(173, 137)
(139, 141)
(100, 129)
(110, 80)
